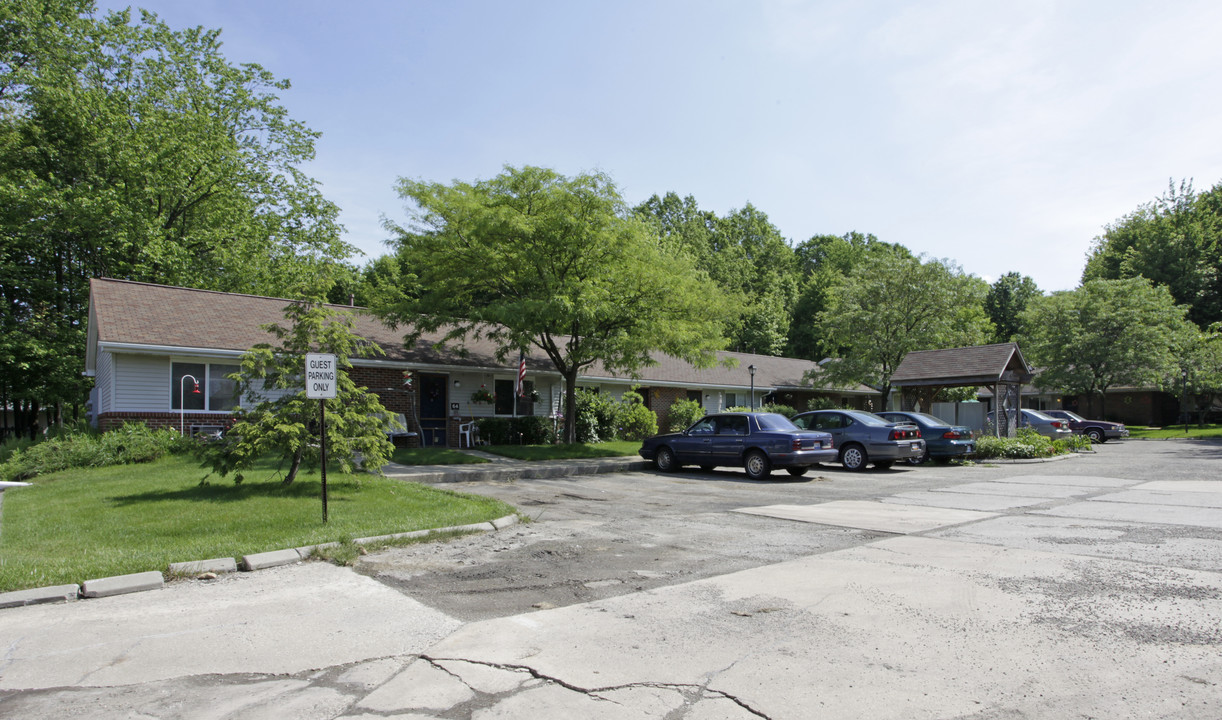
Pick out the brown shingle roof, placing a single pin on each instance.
(978, 365)
(144, 314)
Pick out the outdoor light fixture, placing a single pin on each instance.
(182, 401)
(457, 384)
(751, 369)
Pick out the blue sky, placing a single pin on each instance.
(1003, 136)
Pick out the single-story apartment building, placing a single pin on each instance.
(150, 347)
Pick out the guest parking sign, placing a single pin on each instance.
(322, 381)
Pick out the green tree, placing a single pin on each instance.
(1196, 376)
(132, 150)
(823, 262)
(533, 258)
(1005, 302)
(276, 417)
(893, 305)
(1174, 241)
(1104, 334)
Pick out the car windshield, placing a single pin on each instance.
(867, 418)
(772, 421)
(1037, 415)
(929, 419)
(1073, 415)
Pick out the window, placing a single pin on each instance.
(205, 384)
(695, 395)
(505, 397)
(731, 400)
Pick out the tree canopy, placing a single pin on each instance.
(893, 305)
(1104, 334)
(1174, 241)
(1005, 302)
(534, 258)
(136, 151)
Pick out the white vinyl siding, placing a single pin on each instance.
(142, 383)
(103, 380)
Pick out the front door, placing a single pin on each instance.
(434, 404)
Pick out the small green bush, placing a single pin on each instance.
(132, 443)
(821, 402)
(525, 430)
(683, 414)
(638, 422)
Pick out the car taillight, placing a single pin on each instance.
(1056, 423)
(952, 435)
(797, 444)
(897, 434)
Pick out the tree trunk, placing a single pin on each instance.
(294, 465)
(570, 406)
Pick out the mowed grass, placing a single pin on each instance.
(1175, 431)
(433, 456)
(79, 525)
(615, 448)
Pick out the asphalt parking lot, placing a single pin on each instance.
(1087, 587)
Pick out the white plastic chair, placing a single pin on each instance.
(466, 431)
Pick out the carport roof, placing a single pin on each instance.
(144, 316)
(966, 366)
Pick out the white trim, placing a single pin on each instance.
(172, 350)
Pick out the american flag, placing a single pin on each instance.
(521, 385)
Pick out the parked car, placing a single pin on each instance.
(755, 441)
(943, 441)
(1049, 427)
(1097, 430)
(864, 437)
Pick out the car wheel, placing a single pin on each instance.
(853, 457)
(1096, 435)
(664, 460)
(757, 465)
(885, 465)
(796, 471)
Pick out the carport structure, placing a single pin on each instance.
(999, 367)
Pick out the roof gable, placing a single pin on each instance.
(977, 365)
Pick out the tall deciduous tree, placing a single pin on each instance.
(534, 258)
(1174, 241)
(1196, 377)
(1005, 302)
(132, 150)
(893, 305)
(1104, 334)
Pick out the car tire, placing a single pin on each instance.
(1096, 435)
(853, 457)
(664, 460)
(757, 465)
(796, 471)
(884, 465)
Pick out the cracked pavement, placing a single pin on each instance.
(1084, 588)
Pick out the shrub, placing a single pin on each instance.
(638, 422)
(132, 443)
(683, 414)
(820, 402)
(598, 416)
(525, 430)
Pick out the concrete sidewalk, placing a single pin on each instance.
(503, 469)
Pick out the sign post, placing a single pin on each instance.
(322, 384)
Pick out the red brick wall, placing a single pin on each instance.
(660, 401)
(160, 420)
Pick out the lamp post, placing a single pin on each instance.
(182, 401)
(751, 369)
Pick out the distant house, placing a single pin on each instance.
(151, 346)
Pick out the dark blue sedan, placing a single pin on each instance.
(757, 442)
(943, 441)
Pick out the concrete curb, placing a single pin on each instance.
(153, 580)
(122, 584)
(509, 472)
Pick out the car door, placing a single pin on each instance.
(832, 422)
(695, 446)
(732, 432)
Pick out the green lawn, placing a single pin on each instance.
(615, 448)
(433, 456)
(83, 524)
(1175, 431)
